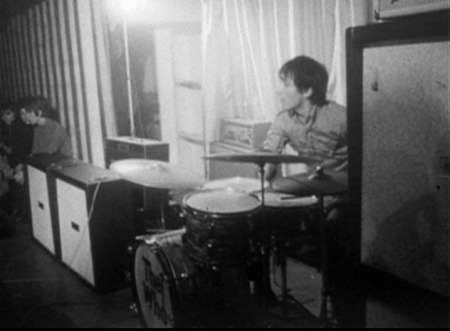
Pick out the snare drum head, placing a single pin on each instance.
(243, 184)
(225, 201)
(281, 200)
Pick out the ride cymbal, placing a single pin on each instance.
(262, 158)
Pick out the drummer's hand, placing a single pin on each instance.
(270, 172)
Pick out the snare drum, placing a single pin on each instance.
(219, 226)
(166, 281)
(288, 216)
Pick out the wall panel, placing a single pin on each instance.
(57, 49)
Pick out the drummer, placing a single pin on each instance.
(313, 126)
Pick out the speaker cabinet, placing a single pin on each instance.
(42, 200)
(95, 221)
(399, 167)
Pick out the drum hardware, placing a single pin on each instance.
(157, 174)
(261, 159)
(320, 183)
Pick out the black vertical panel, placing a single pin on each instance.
(9, 57)
(24, 51)
(40, 79)
(31, 72)
(97, 68)
(72, 78)
(3, 65)
(23, 60)
(59, 35)
(44, 63)
(82, 75)
(16, 59)
(52, 50)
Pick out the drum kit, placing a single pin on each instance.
(222, 218)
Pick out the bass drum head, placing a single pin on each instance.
(164, 280)
(153, 292)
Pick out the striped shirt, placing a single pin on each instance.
(322, 135)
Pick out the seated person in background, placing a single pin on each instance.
(49, 135)
(316, 128)
(17, 146)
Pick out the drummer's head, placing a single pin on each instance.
(307, 74)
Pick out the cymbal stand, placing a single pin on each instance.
(281, 254)
(264, 249)
(163, 214)
(282, 261)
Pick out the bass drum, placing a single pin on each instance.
(166, 281)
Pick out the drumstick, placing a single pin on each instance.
(289, 197)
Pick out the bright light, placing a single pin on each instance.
(131, 10)
(132, 7)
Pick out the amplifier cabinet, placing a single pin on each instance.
(120, 148)
(41, 189)
(96, 225)
(247, 134)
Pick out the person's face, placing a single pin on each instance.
(8, 117)
(290, 96)
(29, 118)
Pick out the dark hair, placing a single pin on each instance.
(307, 73)
(5, 106)
(40, 104)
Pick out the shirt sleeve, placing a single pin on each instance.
(276, 138)
(66, 147)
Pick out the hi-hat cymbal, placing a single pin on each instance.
(157, 174)
(325, 182)
(261, 158)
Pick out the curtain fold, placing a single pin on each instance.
(246, 41)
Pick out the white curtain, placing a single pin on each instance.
(246, 41)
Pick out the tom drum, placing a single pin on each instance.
(219, 226)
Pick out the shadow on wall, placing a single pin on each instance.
(412, 242)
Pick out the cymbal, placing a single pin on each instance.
(325, 182)
(157, 174)
(261, 158)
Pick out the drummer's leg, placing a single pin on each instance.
(259, 268)
(339, 266)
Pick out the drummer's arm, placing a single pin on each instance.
(275, 142)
